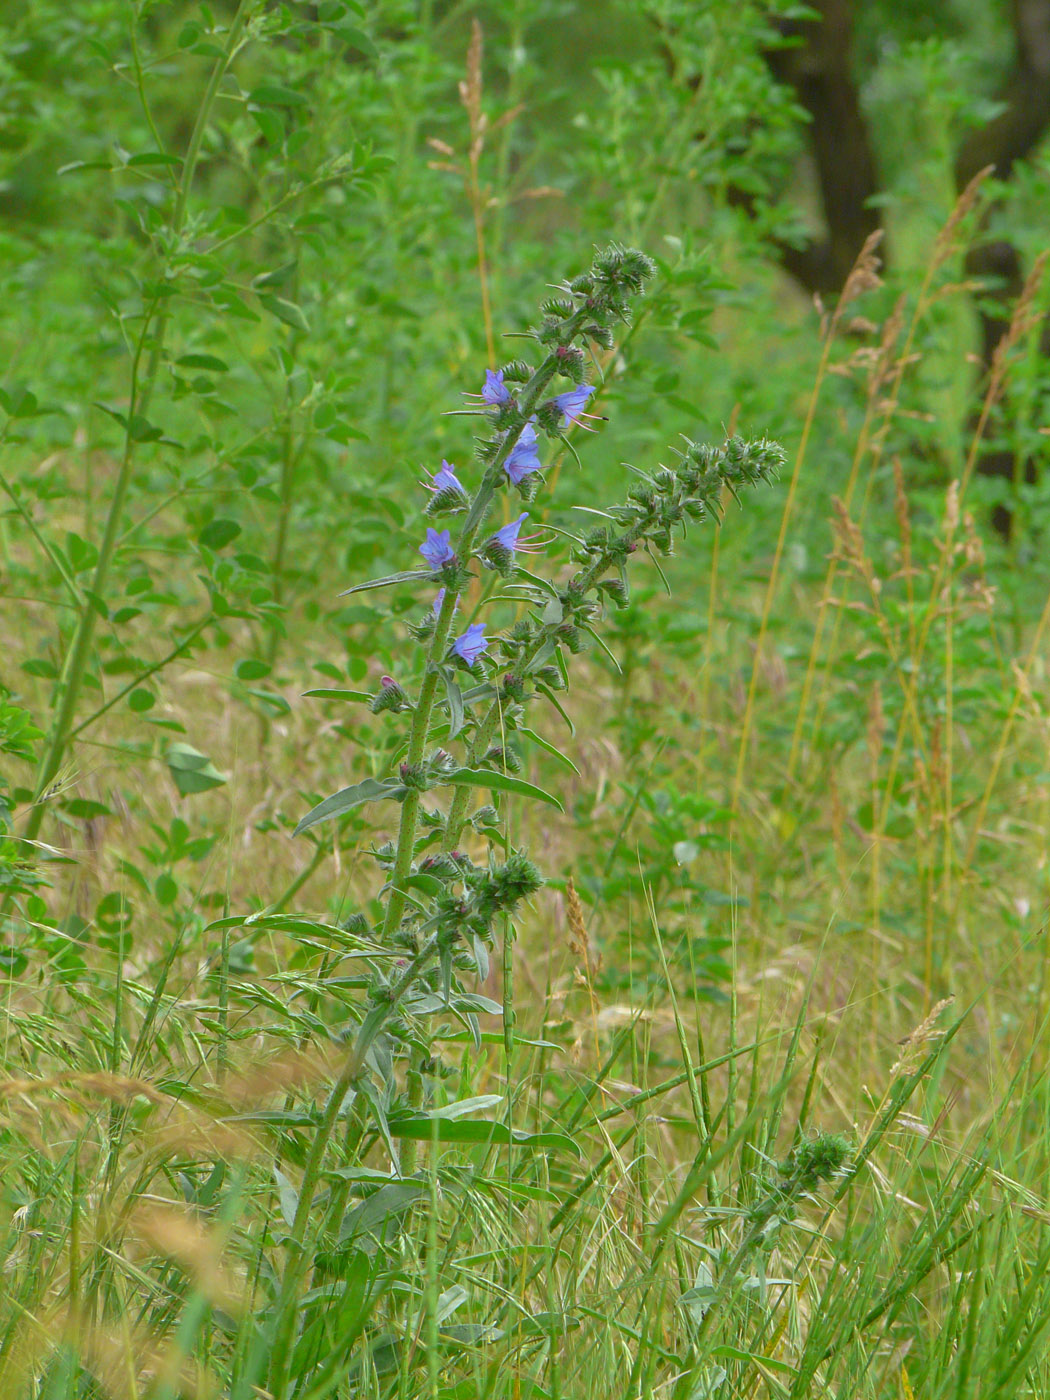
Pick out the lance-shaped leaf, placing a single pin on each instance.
(359, 697)
(499, 782)
(371, 790)
(456, 715)
(423, 1127)
(408, 576)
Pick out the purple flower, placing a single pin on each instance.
(524, 457)
(436, 549)
(444, 479)
(495, 391)
(472, 643)
(573, 402)
(438, 602)
(499, 549)
(508, 535)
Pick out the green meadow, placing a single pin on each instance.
(524, 710)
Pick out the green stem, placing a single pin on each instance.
(187, 641)
(80, 648)
(74, 670)
(320, 851)
(287, 1312)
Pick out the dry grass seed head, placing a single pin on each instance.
(901, 511)
(191, 1133)
(945, 244)
(289, 1071)
(1022, 321)
(197, 1251)
(864, 275)
(913, 1045)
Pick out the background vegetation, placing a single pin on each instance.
(761, 1104)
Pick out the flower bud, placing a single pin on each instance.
(414, 776)
(389, 696)
(616, 590)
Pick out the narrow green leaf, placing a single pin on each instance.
(545, 690)
(456, 714)
(371, 790)
(409, 576)
(422, 1128)
(327, 693)
(154, 158)
(549, 748)
(289, 1197)
(500, 782)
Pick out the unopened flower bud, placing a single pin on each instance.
(389, 696)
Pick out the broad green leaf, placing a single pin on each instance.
(279, 277)
(285, 311)
(198, 361)
(462, 1107)
(276, 95)
(217, 534)
(252, 669)
(380, 1209)
(191, 771)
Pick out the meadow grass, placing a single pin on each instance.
(861, 923)
(766, 1109)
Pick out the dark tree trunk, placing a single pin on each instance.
(818, 67)
(1008, 138)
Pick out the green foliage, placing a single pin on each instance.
(636, 1076)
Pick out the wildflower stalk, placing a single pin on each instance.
(693, 490)
(406, 837)
(468, 902)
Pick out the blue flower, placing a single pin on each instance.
(471, 644)
(495, 391)
(499, 549)
(445, 479)
(438, 601)
(573, 402)
(508, 535)
(524, 457)
(436, 549)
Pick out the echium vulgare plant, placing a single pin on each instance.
(441, 904)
